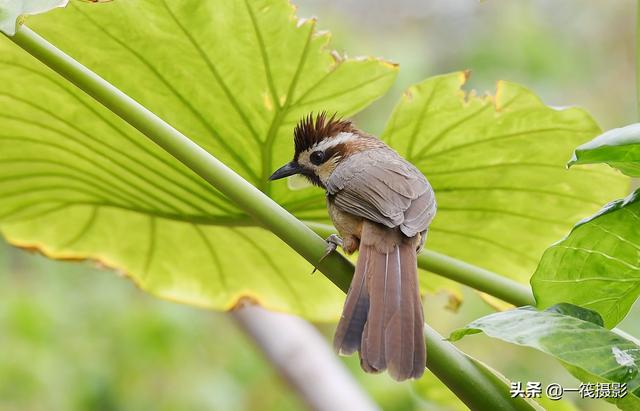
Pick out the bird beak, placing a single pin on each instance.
(286, 170)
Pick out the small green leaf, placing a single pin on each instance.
(577, 312)
(597, 265)
(12, 10)
(620, 148)
(590, 352)
(497, 165)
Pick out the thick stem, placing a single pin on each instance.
(474, 383)
(476, 277)
(473, 386)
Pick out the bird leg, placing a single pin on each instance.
(333, 241)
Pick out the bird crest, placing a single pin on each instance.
(313, 129)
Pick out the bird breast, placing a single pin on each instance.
(347, 224)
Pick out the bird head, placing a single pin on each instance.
(321, 144)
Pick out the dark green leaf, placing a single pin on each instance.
(597, 266)
(590, 352)
(577, 312)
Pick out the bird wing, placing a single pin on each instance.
(381, 186)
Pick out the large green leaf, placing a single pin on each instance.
(620, 148)
(597, 356)
(497, 167)
(597, 265)
(12, 10)
(77, 182)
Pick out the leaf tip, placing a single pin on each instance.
(337, 57)
(389, 64)
(460, 333)
(498, 97)
(309, 20)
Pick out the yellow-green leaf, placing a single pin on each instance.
(77, 182)
(236, 76)
(497, 165)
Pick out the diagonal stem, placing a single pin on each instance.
(473, 383)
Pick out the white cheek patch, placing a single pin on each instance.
(332, 142)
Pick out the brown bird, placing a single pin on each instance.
(382, 206)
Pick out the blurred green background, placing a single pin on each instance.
(73, 337)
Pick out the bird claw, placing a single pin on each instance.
(333, 241)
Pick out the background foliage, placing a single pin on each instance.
(546, 77)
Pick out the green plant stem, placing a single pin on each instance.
(482, 280)
(472, 383)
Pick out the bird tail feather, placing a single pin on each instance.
(383, 316)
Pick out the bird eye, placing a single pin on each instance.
(317, 157)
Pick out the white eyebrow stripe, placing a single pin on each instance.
(332, 142)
